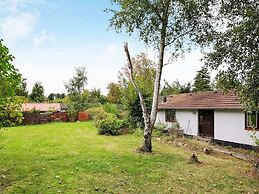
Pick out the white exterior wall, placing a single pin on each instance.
(230, 126)
(188, 120)
(160, 117)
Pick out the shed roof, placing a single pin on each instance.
(43, 107)
(202, 100)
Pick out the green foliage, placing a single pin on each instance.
(10, 112)
(110, 125)
(56, 97)
(255, 138)
(51, 97)
(78, 98)
(160, 127)
(10, 78)
(175, 88)
(202, 81)
(77, 84)
(144, 73)
(135, 117)
(111, 108)
(154, 20)
(22, 89)
(106, 123)
(37, 94)
(235, 50)
(95, 97)
(114, 93)
(97, 113)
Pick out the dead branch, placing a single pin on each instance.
(130, 67)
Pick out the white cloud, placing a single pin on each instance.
(19, 26)
(42, 38)
(18, 19)
(15, 6)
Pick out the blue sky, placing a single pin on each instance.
(49, 38)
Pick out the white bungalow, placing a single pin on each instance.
(210, 114)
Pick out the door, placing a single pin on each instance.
(206, 123)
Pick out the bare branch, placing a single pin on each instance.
(130, 67)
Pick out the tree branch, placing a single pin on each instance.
(142, 102)
(179, 36)
(154, 9)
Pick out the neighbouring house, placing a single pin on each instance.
(36, 113)
(216, 115)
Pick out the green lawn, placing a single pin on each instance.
(72, 158)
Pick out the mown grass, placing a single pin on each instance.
(72, 158)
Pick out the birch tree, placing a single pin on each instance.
(165, 25)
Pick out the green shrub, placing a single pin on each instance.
(110, 125)
(98, 113)
(161, 127)
(10, 112)
(111, 108)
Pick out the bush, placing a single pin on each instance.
(161, 127)
(97, 113)
(175, 130)
(110, 125)
(10, 112)
(111, 108)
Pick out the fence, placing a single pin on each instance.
(32, 118)
(36, 118)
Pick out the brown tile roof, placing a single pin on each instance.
(202, 100)
(43, 107)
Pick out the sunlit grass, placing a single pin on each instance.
(72, 158)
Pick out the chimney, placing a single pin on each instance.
(164, 99)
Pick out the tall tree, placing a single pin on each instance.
(10, 78)
(235, 52)
(114, 93)
(175, 88)
(51, 97)
(202, 81)
(37, 94)
(163, 24)
(22, 89)
(78, 82)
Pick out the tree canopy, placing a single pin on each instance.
(202, 81)
(78, 82)
(175, 88)
(163, 24)
(235, 52)
(37, 94)
(10, 78)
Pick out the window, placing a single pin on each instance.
(252, 120)
(169, 115)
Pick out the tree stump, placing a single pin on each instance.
(194, 159)
(207, 151)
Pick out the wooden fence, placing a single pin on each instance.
(32, 118)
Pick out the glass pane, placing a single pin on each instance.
(252, 120)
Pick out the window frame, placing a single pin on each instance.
(248, 127)
(169, 112)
